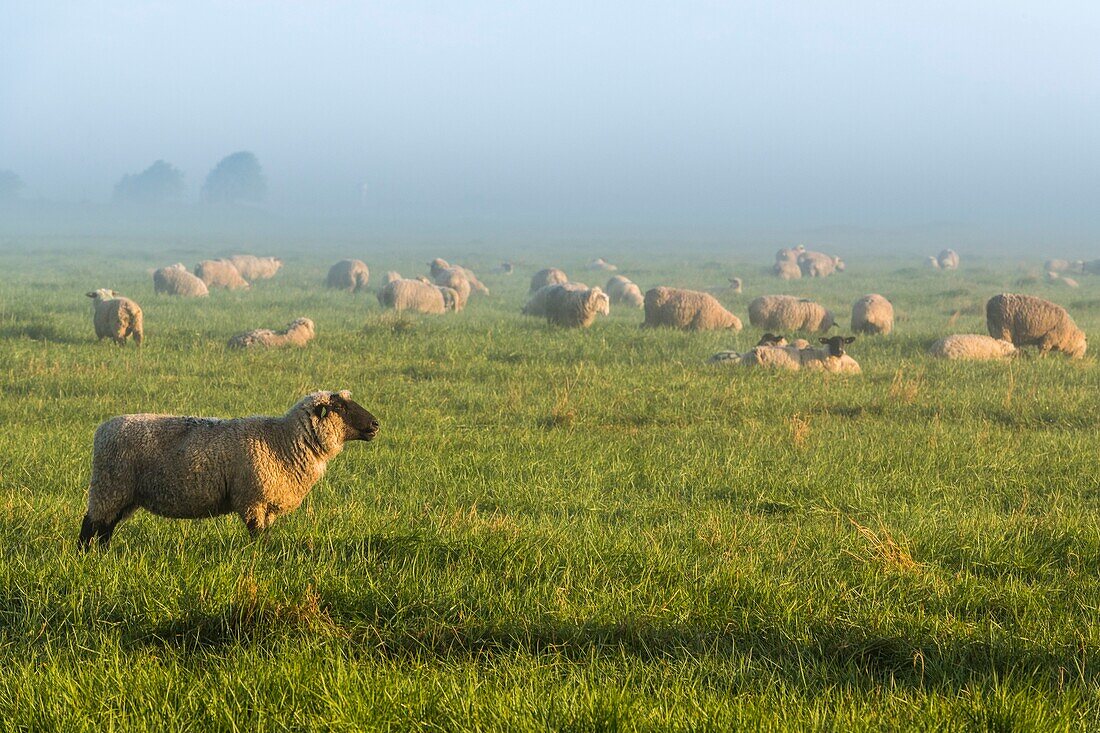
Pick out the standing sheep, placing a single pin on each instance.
(972, 347)
(688, 310)
(455, 279)
(419, 297)
(787, 270)
(192, 468)
(220, 274)
(570, 305)
(873, 314)
(298, 332)
(621, 290)
(116, 317)
(789, 313)
(1026, 320)
(252, 267)
(438, 267)
(177, 280)
(350, 275)
(549, 276)
(1064, 266)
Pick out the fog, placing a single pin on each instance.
(574, 115)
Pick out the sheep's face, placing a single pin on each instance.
(828, 321)
(770, 339)
(1077, 345)
(839, 264)
(437, 265)
(302, 324)
(337, 418)
(102, 294)
(600, 302)
(835, 346)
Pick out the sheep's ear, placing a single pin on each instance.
(823, 341)
(91, 294)
(849, 339)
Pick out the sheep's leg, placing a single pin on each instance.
(257, 519)
(101, 531)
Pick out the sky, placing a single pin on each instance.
(818, 113)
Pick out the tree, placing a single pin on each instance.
(238, 178)
(157, 184)
(10, 185)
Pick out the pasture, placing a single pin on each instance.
(557, 529)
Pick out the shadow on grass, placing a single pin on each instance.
(39, 332)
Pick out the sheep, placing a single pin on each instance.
(439, 266)
(298, 332)
(789, 313)
(453, 278)
(621, 291)
(686, 309)
(1069, 282)
(549, 276)
(505, 268)
(789, 254)
(734, 357)
(177, 280)
(1064, 266)
(601, 264)
(873, 314)
(252, 267)
(735, 285)
(787, 270)
(190, 467)
(349, 275)
(220, 274)
(832, 358)
(571, 305)
(773, 356)
(116, 317)
(948, 259)
(419, 297)
(1026, 320)
(972, 347)
(819, 264)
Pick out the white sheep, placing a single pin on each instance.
(972, 347)
(873, 314)
(790, 313)
(116, 317)
(571, 305)
(178, 280)
(298, 332)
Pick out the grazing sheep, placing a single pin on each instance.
(220, 274)
(832, 358)
(571, 305)
(177, 280)
(298, 332)
(549, 276)
(419, 297)
(453, 278)
(252, 267)
(349, 275)
(727, 358)
(621, 291)
(1026, 320)
(440, 267)
(819, 264)
(116, 317)
(689, 310)
(601, 264)
(789, 313)
(1064, 266)
(191, 467)
(787, 270)
(873, 314)
(972, 347)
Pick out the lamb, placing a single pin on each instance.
(972, 347)
(116, 317)
(252, 267)
(621, 290)
(570, 305)
(439, 266)
(419, 297)
(787, 270)
(819, 264)
(1026, 320)
(789, 313)
(873, 314)
(191, 468)
(298, 332)
(686, 309)
(549, 276)
(349, 275)
(220, 274)
(833, 358)
(177, 280)
(601, 264)
(735, 357)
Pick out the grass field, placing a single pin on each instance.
(557, 529)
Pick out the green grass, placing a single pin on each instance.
(557, 529)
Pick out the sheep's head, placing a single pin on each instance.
(336, 418)
(102, 294)
(838, 264)
(1076, 344)
(438, 265)
(302, 324)
(599, 301)
(770, 339)
(828, 321)
(834, 346)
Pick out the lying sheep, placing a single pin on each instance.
(832, 358)
(621, 291)
(726, 358)
(252, 267)
(116, 317)
(177, 280)
(819, 264)
(1064, 266)
(789, 313)
(947, 259)
(439, 266)
(686, 309)
(349, 275)
(570, 305)
(972, 347)
(192, 468)
(298, 332)
(220, 274)
(787, 270)
(1055, 277)
(601, 264)
(419, 297)
(873, 314)
(1026, 320)
(549, 276)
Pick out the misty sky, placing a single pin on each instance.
(816, 112)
